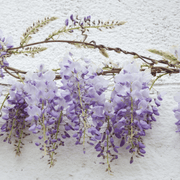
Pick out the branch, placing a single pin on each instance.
(100, 46)
(154, 69)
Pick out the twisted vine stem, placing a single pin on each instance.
(149, 61)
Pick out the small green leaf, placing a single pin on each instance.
(104, 52)
(166, 55)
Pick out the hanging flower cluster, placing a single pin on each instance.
(36, 105)
(5, 44)
(177, 111)
(84, 93)
(133, 109)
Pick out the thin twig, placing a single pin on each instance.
(154, 69)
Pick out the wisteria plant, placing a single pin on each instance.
(78, 108)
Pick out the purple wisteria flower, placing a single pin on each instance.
(88, 17)
(5, 44)
(133, 112)
(14, 115)
(83, 91)
(36, 106)
(176, 52)
(71, 17)
(45, 109)
(66, 22)
(177, 111)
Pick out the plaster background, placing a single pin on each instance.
(150, 24)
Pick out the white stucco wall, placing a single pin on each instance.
(150, 24)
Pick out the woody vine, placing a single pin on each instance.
(78, 109)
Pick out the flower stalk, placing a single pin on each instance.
(107, 149)
(54, 145)
(20, 139)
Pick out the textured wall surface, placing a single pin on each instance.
(150, 24)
